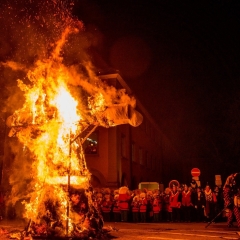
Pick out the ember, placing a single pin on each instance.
(52, 125)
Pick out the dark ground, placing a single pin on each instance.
(156, 231)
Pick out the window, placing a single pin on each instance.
(133, 152)
(140, 150)
(123, 146)
(90, 146)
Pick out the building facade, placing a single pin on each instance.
(126, 155)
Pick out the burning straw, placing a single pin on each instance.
(60, 102)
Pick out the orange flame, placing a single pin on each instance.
(48, 120)
(51, 117)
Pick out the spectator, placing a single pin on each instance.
(167, 210)
(106, 207)
(161, 206)
(171, 205)
(199, 204)
(116, 209)
(218, 202)
(175, 204)
(149, 206)
(143, 207)
(156, 208)
(209, 204)
(193, 184)
(186, 204)
(124, 199)
(135, 209)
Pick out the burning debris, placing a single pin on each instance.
(62, 107)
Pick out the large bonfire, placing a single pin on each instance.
(61, 102)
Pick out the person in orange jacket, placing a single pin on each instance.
(143, 207)
(124, 199)
(209, 203)
(116, 209)
(135, 209)
(156, 207)
(167, 210)
(175, 204)
(161, 205)
(106, 207)
(186, 203)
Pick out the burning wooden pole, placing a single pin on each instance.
(69, 184)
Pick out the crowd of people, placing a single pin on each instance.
(177, 203)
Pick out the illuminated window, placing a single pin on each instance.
(90, 146)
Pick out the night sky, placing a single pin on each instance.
(181, 59)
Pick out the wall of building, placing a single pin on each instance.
(135, 166)
(129, 155)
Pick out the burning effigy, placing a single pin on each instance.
(63, 104)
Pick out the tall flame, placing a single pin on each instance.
(52, 118)
(48, 121)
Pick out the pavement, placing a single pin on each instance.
(140, 231)
(176, 231)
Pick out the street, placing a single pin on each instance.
(151, 231)
(175, 231)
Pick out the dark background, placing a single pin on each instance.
(181, 59)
